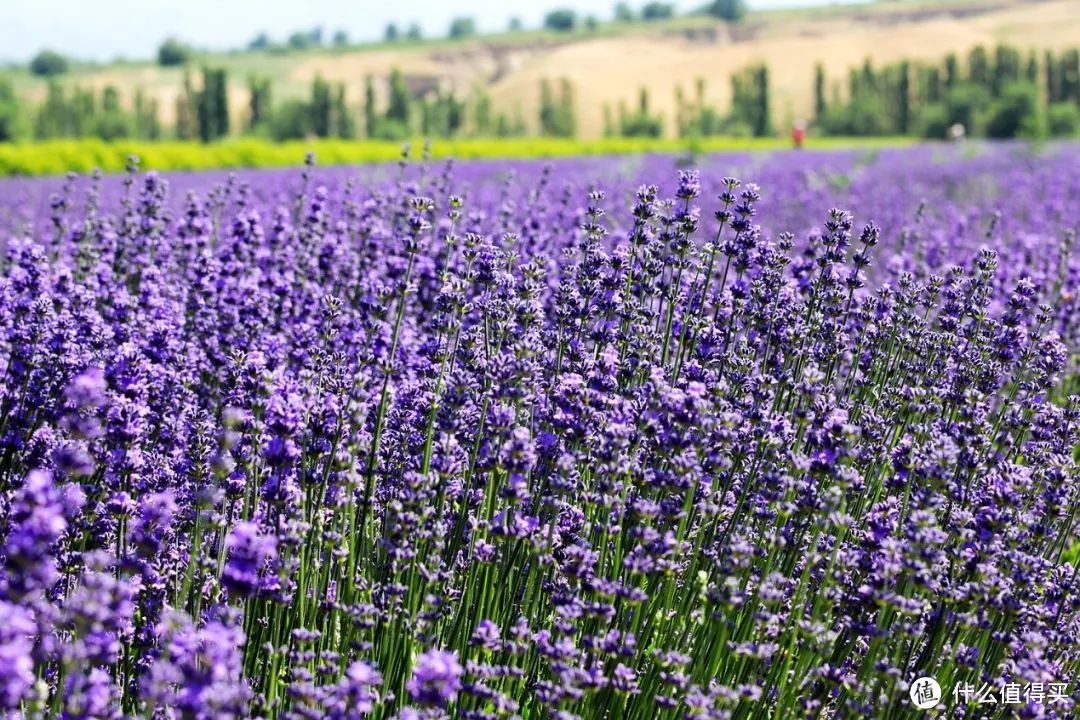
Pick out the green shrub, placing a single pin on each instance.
(1063, 119)
(113, 126)
(863, 117)
(12, 122)
(657, 11)
(390, 129)
(1018, 113)
(462, 27)
(55, 157)
(730, 10)
(965, 104)
(291, 121)
(933, 122)
(48, 63)
(173, 53)
(563, 20)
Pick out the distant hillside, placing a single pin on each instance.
(610, 65)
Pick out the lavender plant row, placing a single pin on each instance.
(498, 441)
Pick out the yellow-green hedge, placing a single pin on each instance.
(59, 156)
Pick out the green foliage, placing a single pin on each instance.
(320, 107)
(443, 116)
(1031, 69)
(657, 11)
(1053, 78)
(82, 113)
(557, 113)
(113, 126)
(396, 122)
(640, 123)
(328, 112)
(819, 92)
(561, 20)
(730, 10)
(1017, 113)
(695, 118)
(260, 102)
(173, 53)
(260, 42)
(370, 114)
(929, 86)
(341, 39)
(1070, 75)
(750, 100)
(999, 95)
(933, 121)
(399, 110)
(462, 27)
(483, 124)
(48, 63)
(306, 39)
(112, 123)
(624, 13)
(59, 156)
(391, 33)
(900, 83)
(965, 104)
(505, 127)
(392, 130)
(863, 117)
(952, 70)
(291, 121)
(186, 123)
(212, 105)
(1063, 119)
(1062, 76)
(79, 116)
(343, 123)
(414, 33)
(979, 67)
(147, 123)
(12, 123)
(53, 118)
(1006, 69)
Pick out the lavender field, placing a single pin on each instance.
(601, 439)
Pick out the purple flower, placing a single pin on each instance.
(354, 696)
(91, 695)
(436, 678)
(610, 452)
(17, 633)
(37, 521)
(153, 523)
(248, 551)
(198, 674)
(87, 390)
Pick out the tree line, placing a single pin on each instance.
(997, 93)
(204, 111)
(748, 115)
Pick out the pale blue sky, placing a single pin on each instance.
(105, 29)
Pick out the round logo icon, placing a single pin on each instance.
(925, 693)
